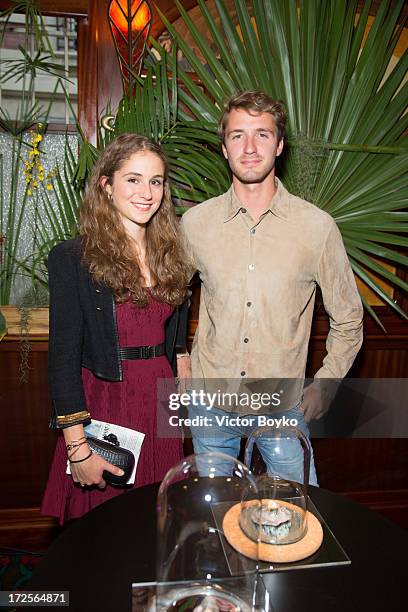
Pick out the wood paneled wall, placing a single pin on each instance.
(26, 441)
(26, 447)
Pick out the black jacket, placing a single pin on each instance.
(83, 331)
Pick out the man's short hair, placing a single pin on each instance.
(256, 102)
(165, 35)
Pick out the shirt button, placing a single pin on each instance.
(98, 308)
(251, 267)
(246, 340)
(97, 290)
(249, 304)
(243, 373)
(243, 210)
(253, 230)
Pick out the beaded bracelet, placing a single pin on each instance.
(81, 460)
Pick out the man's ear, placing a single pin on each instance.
(279, 148)
(224, 151)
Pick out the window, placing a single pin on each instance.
(47, 72)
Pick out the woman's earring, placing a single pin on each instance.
(109, 196)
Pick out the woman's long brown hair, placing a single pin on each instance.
(106, 248)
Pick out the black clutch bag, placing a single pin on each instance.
(120, 457)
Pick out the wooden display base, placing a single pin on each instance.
(276, 553)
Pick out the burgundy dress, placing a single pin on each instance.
(131, 403)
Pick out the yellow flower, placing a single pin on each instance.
(49, 186)
(33, 170)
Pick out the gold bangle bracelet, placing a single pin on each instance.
(83, 415)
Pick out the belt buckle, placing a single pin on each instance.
(145, 352)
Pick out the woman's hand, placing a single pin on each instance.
(89, 471)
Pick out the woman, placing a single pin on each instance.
(120, 284)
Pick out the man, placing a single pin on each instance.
(166, 41)
(260, 253)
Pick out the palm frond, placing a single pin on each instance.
(34, 21)
(17, 69)
(197, 170)
(346, 108)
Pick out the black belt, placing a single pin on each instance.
(142, 352)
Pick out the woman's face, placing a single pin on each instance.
(137, 188)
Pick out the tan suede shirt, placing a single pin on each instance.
(258, 288)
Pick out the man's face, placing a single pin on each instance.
(167, 45)
(251, 145)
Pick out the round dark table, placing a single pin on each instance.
(98, 557)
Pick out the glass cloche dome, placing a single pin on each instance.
(282, 483)
(200, 565)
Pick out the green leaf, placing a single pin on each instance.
(368, 262)
(346, 110)
(361, 273)
(372, 312)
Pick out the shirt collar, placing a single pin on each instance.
(279, 205)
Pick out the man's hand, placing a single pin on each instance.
(184, 372)
(313, 405)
